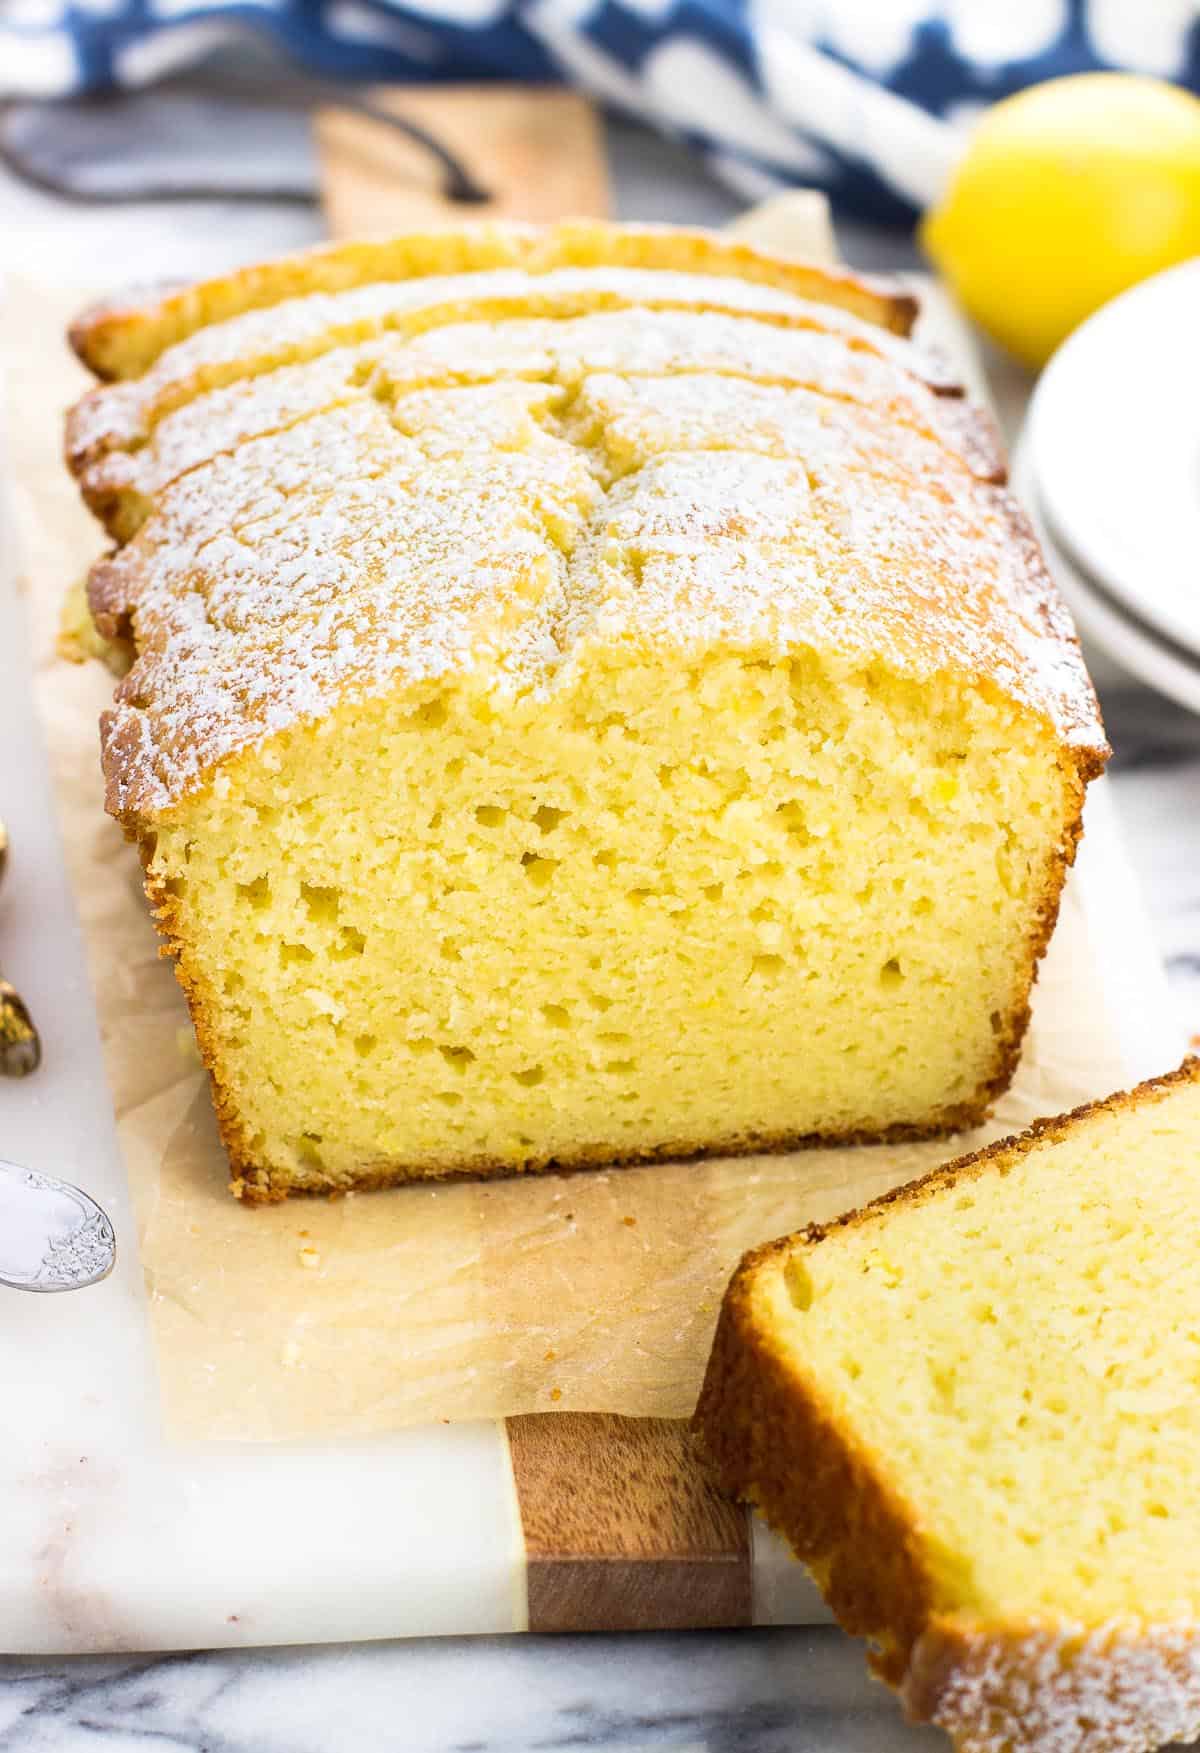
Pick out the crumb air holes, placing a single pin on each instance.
(257, 893)
(791, 818)
(458, 1058)
(322, 904)
(944, 1386)
(540, 871)
(799, 1284)
(891, 974)
(547, 819)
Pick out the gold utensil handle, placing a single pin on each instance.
(20, 1048)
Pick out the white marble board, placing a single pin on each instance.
(111, 1539)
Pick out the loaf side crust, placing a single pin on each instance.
(773, 1442)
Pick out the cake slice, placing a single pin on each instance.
(973, 1409)
(593, 699)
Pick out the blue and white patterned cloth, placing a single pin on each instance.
(840, 94)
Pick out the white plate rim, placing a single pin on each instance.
(1061, 512)
(1163, 667)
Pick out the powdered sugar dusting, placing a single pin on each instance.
(507, 492)
(558, 349)
(222, 419)
(126, 413)
(1123, 1687)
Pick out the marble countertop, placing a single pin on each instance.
(737, 1692)
(724, 1692)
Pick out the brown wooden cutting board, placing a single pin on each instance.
(622, 1530)
(537, 151)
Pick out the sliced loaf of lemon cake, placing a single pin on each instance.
(972, 1408)
(594, 699)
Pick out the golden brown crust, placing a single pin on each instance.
(256, 1185)
(772, 1443)
(121, 337)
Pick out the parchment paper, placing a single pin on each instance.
(595, 1291)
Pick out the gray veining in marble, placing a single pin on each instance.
(743, 1692)
(730, 1692)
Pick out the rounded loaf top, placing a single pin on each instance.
(507, 454)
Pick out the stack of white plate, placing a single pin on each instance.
(1109, 468)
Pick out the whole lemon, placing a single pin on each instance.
(1067, 194)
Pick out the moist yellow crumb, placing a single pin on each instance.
(78, 638)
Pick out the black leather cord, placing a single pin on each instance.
(300, 92)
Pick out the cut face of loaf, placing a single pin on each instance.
(598, 709)
(972, 1410)
(674, 908)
